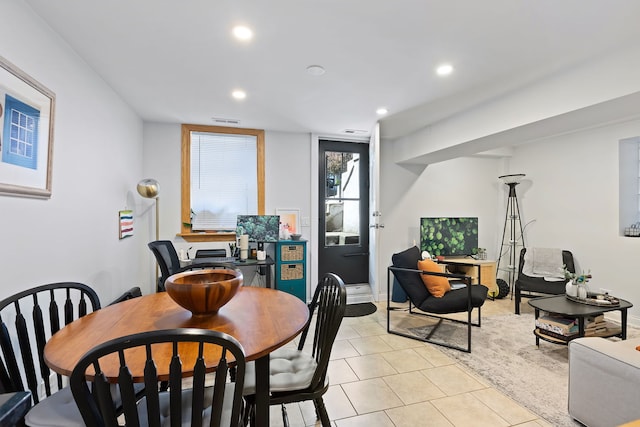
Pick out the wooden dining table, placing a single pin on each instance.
(261, 319)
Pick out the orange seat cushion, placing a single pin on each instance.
(437, 285)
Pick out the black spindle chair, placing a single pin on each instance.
(27, 320)
(290, 379)
(218, 405)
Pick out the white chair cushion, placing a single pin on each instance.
(289, 369)
(59, 409)
(227, 407)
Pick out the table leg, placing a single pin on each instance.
(623, 323)
(262, 392)
(269, 284)
(537, 314)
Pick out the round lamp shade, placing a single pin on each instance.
(149, 188)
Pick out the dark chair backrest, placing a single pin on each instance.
(330, 300)
(567, 259)
(185, 346)
(27, 320)
(410, 281)
(134, 292)
(167, 259)
(211, 253)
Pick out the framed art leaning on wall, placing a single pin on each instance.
(26, 134)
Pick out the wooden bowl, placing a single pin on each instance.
(203, 292)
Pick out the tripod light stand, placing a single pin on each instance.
(512, 218)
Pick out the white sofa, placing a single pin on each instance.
(604, 381)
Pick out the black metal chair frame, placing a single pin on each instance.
(330, 297)
(97, 407)
(80, 299)
(468, 322)
(166, 271)
(542, 287)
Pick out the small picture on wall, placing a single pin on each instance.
(290, 220)
(126, 223)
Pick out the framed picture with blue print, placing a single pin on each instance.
(26, 134)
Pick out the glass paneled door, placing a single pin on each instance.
(344, 209)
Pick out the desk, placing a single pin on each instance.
(266, 264)
(261, 319)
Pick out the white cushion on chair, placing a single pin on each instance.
(289, 369)
(227, 407)
(59, 409)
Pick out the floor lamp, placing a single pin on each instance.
(150, 189)
(512, 218)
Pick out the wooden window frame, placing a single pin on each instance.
(185, 213)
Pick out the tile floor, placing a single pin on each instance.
(382, 380)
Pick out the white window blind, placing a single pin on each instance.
(223, 179)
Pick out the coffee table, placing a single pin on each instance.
(561, 305)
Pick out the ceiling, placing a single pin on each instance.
(177, 61)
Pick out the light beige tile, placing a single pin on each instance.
(452, 380)
(413, 387)
(464, 410)
(417, 415)
(432, 354)
(340, 372)
(336, 402)
(371, 396)
(507, 408)
(397, 342)
(376, 419)
(370, 366)
(370, 345)
(406, 360)
(342, 349)
(370, 329)
(347, 332)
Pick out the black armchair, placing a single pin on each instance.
(529, 286)
(461, 300)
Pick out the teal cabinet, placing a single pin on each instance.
(291, 267)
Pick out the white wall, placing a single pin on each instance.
(96, 163)
(461, 187)
(287, 184)
(573, 198)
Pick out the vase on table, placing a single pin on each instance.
(571, 289)
(582, 291)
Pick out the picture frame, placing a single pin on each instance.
(290, 218)
(26, 134)
(125, 223)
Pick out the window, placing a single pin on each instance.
(222, 177)
(21, 130)
(629, 186)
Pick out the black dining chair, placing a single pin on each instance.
(169, 263)
(221, 404)
(27, 320)
(297, 375)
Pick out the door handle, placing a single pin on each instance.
(357, 254)
(376, 226)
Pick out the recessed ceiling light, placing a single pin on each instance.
(242, 33)
(444, 69)
(239, 94)
(381, 111)
(315, 70)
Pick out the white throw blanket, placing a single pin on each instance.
(544, 262)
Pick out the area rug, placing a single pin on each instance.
(357, 310)
(504, 354)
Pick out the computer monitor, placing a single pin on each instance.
(260, 228)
